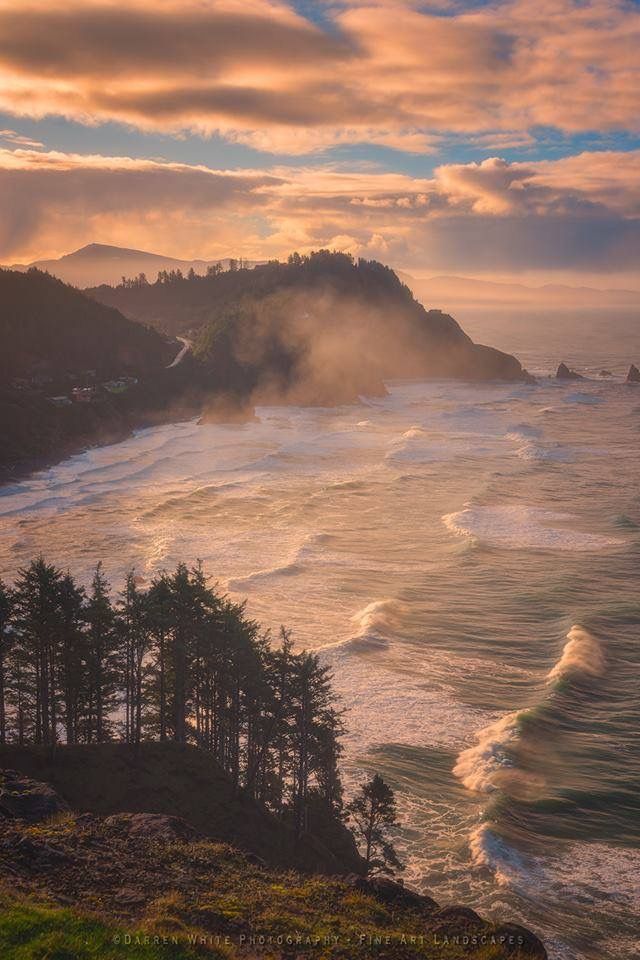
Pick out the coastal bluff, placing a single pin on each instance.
(158, 873)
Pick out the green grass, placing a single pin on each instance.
(31, 931)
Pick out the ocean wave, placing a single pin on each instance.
(523, 431)
(519, 526)
(488, 849)
(489, 764)
(582, 656)
(375, 626)
(536, 452)
(290, 568)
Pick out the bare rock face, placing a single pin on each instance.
(634, 374)
(24, 799)
(564, 373)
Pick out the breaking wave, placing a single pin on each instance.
(491, 763)
(582, 656)
(291, 568)
(519, 526)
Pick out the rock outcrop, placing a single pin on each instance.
(634, 374)
(24, 799)
(564, 373)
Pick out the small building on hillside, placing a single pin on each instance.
(84, 394)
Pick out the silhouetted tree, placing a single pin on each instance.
(101, 658)
(373, 812)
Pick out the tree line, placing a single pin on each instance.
(175, 661)
(180, 661)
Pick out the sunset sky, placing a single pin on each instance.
(486, 139)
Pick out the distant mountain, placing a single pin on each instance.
(100, 263)
(451, 293)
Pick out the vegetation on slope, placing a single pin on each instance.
(317, 329)
(62, 357)
(49, 328)
(177, 662)
(134, 878)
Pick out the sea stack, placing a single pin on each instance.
(634, 374)
(564, 373)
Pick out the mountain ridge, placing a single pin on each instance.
(97, 263)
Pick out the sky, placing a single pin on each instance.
(489, 139)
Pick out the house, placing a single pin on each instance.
(84, 394)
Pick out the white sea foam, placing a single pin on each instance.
(582, 655)
(588, 872)
(486, 766)
(489, 849)
(520, 526)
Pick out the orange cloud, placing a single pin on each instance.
(388, 72)
(579, 213)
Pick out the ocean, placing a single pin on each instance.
(465, 557)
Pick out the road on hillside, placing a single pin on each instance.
(184, 350)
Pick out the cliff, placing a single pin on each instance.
(153, 887)
(318, 329)
(170, 779)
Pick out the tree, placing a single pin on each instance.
(373, 812)
(102, 659)
(39, 625)
(133, 630)
(72, 654)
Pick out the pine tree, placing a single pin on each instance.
(134, 634)
(373, 813)
(72, 659)
(39, 625)
(101, 658)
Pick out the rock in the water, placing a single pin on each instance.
(634, 374)
(564, 373)
(153, 826)
(24, 799)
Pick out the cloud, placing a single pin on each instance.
(55, 200)
(580, 213)
(15, 139)
(394, 73)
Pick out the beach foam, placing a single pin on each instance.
(520, 526)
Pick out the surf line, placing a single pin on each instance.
(489, 766)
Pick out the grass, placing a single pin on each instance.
(36, 931)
